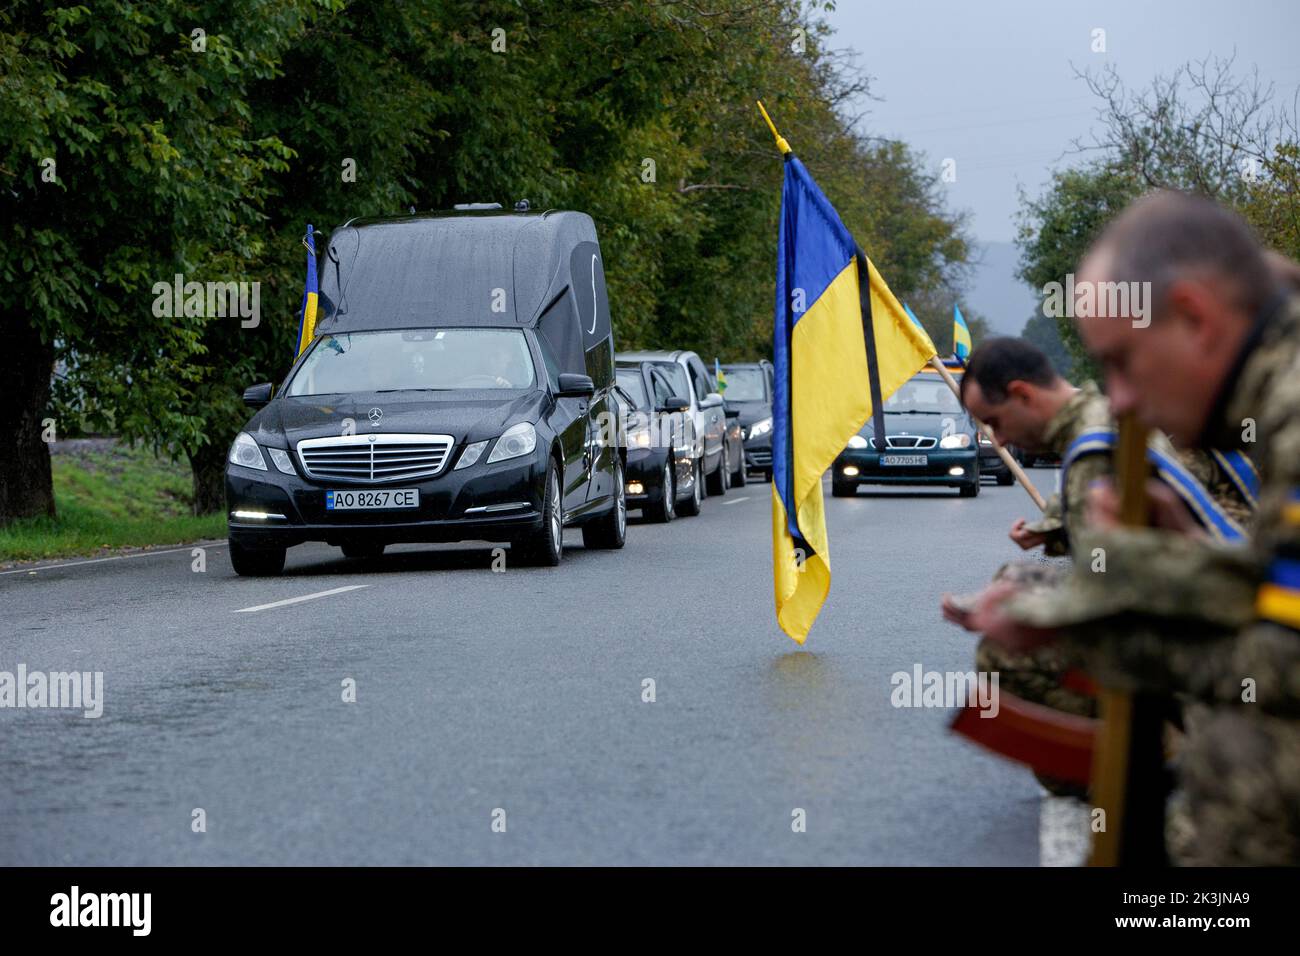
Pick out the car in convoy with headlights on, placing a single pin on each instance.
(706, 411)
(929, 440)
(454, 390)
(991, 463)
(749, 392)
(661, 473)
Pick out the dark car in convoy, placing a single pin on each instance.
(1033, 459)
(713, 450)
(991, 463)
(658, 437)
(930, 440)
(749, 392)
(455, 389)
(734, 441)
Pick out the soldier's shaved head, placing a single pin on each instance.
(1011, 386)
(1285, 271)
(1166, 236)
(1204, 279)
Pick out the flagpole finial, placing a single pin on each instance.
(781, 144)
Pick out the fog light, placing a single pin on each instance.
(256, 515)
(956, 470)
(851, 470)
(635, 488)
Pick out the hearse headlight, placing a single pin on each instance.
(471, 454)
(245, 453)
(515, 441)
(857, 441)
(960, 440)
(760, 428)
(281, 459)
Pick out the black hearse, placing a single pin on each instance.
(457, 388)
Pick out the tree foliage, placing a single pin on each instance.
(210, 163)
(1206, 129)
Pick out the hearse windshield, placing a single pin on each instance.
(416, 360)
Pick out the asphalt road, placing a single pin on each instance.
(519, 691)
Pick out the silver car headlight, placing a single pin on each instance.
(961, 440)
(515, 441)
(471, 454)
(760, 428)
(245, 453)
(280, 458)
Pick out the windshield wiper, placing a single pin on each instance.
(379, 391)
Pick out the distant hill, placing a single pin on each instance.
(995, 292)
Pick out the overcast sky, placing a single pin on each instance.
(990, 83)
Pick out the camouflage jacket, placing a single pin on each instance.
(1181, 614)
(1088, 411)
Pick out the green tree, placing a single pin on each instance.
(128, 156)
(1057, 227)
(1042, 331)
(210, 164)
(1205, 128)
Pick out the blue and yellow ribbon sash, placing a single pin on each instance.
(1208, 513)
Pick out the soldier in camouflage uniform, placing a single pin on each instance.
(1215, 361)
(1010, 385)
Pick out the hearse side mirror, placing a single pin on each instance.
(675, 404)
(258, 396)
(573, 385)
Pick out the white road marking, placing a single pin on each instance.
(116, 557)
(299, 600)
(736, 501)
(1064, 831)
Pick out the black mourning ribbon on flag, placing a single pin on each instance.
(873, 363)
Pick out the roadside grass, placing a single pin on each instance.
(111, 497)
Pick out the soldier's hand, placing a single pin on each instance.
(1024, 537)
(1102, 505)
(1168, 511)
(991, 619)
(1165, 509)
(957, 609)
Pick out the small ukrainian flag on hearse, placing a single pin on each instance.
(310, 295)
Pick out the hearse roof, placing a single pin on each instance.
(451, 268)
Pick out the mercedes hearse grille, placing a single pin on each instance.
(371, 459)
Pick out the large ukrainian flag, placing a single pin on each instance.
(310, 295)
(823, 393)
